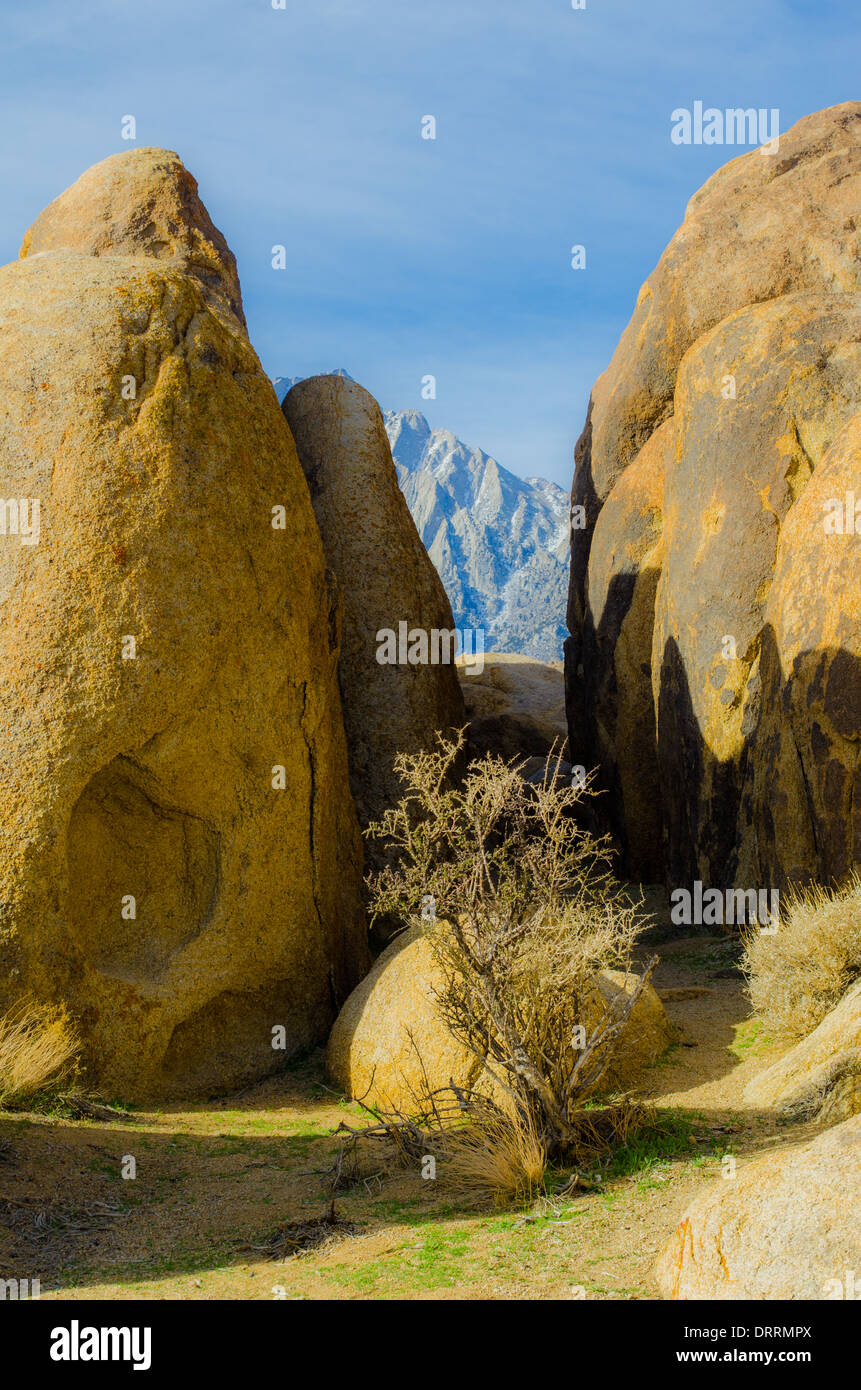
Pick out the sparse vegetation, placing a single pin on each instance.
(38, 1048)
(220, 1184)
(526, 914)
(485, 1153)
(796, 976)
(501, 1158)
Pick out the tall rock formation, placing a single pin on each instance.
(180, 861)
(499, 542)
(388, 582)
(143, 203)
(718, 708)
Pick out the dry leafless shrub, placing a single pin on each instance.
(485, 1153)
(38, 1048)
(797, 975)
(527, 912)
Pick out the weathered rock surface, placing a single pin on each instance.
(387, 580)
(515, 706)
(645, 1037)
(820, 1077)
(624, 567)
(785, 1227)
(151, 875)
(142, 203)
(802, 793)
(732, 250)
(389, 1042)
(389, 1037)
(738, 370)
(739, 469)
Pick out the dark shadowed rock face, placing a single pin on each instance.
(738, 371)
(387, 580)
(624, 567)
(802, 792)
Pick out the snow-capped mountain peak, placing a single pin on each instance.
(499, 542)
(283, 384)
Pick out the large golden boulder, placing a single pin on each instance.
(737, 372)
(784, 1227)
(143, 202)
(739, 476)
(820, 1077)
(180, 862)
(390, 1043)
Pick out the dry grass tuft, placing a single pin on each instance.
(38, 1048)
(796, 976)
(499, 1158)
(486, 1153)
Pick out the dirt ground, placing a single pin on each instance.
(213, 1180)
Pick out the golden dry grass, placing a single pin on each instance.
(38, 1048)
(796, 976)
(500, 1160)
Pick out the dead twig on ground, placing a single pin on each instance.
(298, 1237)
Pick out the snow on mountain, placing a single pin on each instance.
(282, 384)
(499, 542)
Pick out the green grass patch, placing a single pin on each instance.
(667, 1136)
(750, 1040)
(716, 954)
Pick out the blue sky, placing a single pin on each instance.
(408, 256)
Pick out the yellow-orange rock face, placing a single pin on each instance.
(820, 1077)
(784, 1227)
(142, 203)
(162, 650)
(741, 471)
